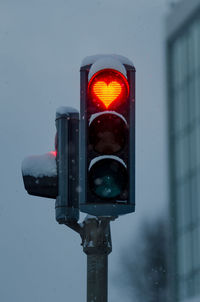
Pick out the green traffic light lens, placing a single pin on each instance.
(108, 178)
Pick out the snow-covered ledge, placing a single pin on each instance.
(40, 165)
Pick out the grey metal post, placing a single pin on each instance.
(97, 278)
(97, 245)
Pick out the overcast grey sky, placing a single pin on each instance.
(42, 44)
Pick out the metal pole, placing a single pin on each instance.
(97, 278)
(96, 241)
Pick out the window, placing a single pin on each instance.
(182, 156)
(197, 139)
(183, 207)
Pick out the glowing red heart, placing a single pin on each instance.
(107, 93)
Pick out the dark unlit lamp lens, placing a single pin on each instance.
(107, 133)
(108, 178)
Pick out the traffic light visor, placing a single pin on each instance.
(108, 87)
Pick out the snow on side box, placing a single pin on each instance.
(40, 165)
(65, 110)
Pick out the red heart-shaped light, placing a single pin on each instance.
(107, 93)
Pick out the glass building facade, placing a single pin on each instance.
(183, 62)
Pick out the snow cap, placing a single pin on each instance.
(98, 158)
(40, 165)
(107, 62)
(95, 115)
(65, 110)
(92, 59)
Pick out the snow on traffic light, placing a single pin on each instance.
(40, 175)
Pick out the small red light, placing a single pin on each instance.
(53, 153)
(108, 87)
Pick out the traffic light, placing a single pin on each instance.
(56, 174)
(107, 143)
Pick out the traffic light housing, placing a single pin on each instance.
(107, 138)
(56, 174)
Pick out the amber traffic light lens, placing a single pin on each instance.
(107, 133)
